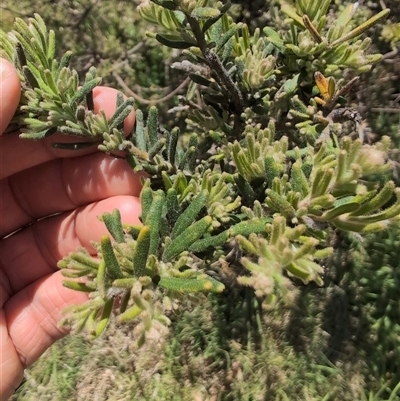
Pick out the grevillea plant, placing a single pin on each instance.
(252, 190)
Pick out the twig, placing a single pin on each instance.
(131, 51)
(129, 91)
(386, 109)
(83, 16)
(225, 80)
(390, 55)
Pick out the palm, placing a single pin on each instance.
(48, 207)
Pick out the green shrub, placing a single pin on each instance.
(257, 181)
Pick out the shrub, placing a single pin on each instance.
(250, 187)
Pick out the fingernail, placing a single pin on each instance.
(5, 69)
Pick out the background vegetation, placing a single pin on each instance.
(339, 342)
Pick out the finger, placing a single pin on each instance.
(61, 185)
(10, 92)
(34, 251)
(32, 318)
(19, 154)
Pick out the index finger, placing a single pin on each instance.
(19, 154)
(10, 92)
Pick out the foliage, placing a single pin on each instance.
(221, 352)
(307, 185)
(108, 35)
(251, 189)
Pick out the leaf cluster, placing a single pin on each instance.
(254, 188)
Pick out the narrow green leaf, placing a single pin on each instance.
(248, 227)
(280, 204)
(361, 28)
(186, 238)
(343, 223)
(39, 33)
(101, 279)
(187, 285)
(139, 133)
(121, 113)
(152, 126)
(77, 286)
(299, 181)
(246, 190)
(79, 272)
(114, 224)
(39, 134)
(321, 181)
(205, 13)
(174, 44)
(228, 35)
(325, 201)
(141, 252)
(190, 213)
(173, 208)
(385, 214)
(112, 266)
(274, 38)
(130, 314)
(375, 227)
(125, 282)
(133, 230)
(85, 258)
(105, 317)
(81, 94)
(156, 148)
(213, 241)
(154, 220)
(365, 197)
(20, 54)
(64, 62)
(291, 12)
(377, 201)
(30, 77)
(173, 141)
(342, 166)
(146, 199)
(300, 272)
(166, 180)
(200, 80)
(23, 34)
(289, 87)
(51, 46)
(340, 210)
(211, 21)
(50, 81)
(272, 169)
(187, 159)
(39, 23)
(278, 228)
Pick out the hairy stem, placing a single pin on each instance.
(225, 80)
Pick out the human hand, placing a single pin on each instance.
(49, 203)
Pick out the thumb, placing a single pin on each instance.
(10, 92)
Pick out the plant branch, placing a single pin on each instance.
(129, 91)
(225, 80)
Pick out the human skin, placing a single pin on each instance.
(49, 203)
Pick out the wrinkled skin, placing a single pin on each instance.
(49, 203)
